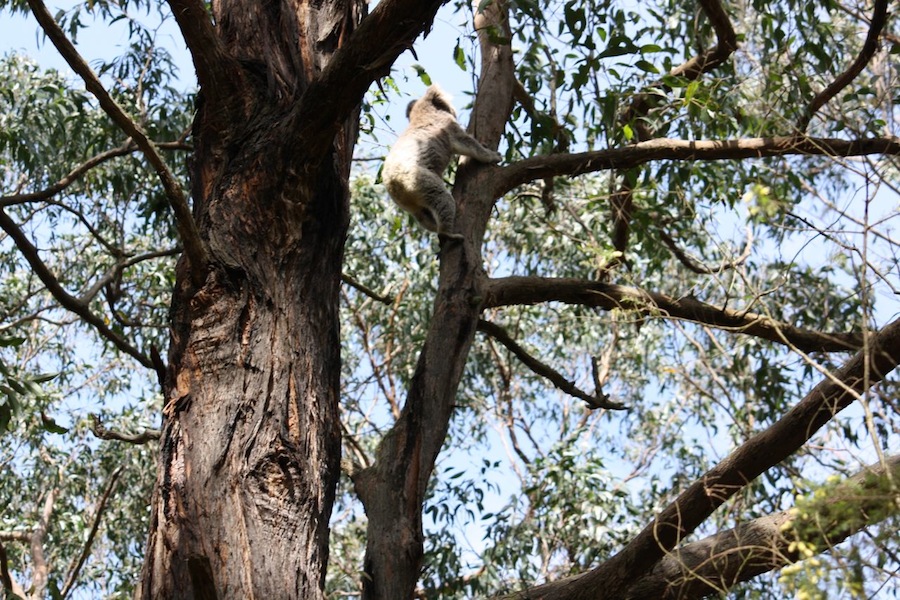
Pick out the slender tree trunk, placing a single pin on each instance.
(393, 489)
(250, 448)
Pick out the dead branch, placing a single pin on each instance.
(596, 400)
(532, 290)
(100, 430)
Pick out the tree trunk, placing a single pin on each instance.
(250, 448)
(393, 489)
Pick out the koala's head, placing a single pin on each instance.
(434, 98)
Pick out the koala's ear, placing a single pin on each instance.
(409, 108)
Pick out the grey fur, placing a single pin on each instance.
(415, 165)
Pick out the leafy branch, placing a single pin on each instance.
(187, 228)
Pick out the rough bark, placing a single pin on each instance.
(250, 447)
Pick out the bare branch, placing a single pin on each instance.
(540, 167)
(187, 228)
(66, 300)
(39, 567)
(365, 290)
(870, 46)
(120, 266)
(596, 400)
(532, 290)
(86, 548)
(700, 268)
(100, 430)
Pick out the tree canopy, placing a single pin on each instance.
(659, 366)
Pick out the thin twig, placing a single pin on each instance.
(66, 300)
(365, 290)
(127, 148)
(596, 400)
(86, 548)
(698, 267)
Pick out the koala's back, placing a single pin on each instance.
(421, 146)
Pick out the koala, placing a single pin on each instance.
(414, 167)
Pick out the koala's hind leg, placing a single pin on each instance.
(438, 212)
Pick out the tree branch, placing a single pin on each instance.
(127, 148)
(100, 430)
(506, 178)
(764, 450)
(66, 300)
(218, 74)
(717, 563)
(5, 578)
(870, 46)
(622, 201)
(119, 267)
(726, 44)
(596, 400)
(39, 567)
(532, 290)
(86, 548)
(187, 228)
(366, 56)
(365, 290)
(698, 267)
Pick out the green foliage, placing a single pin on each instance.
(531, 485)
